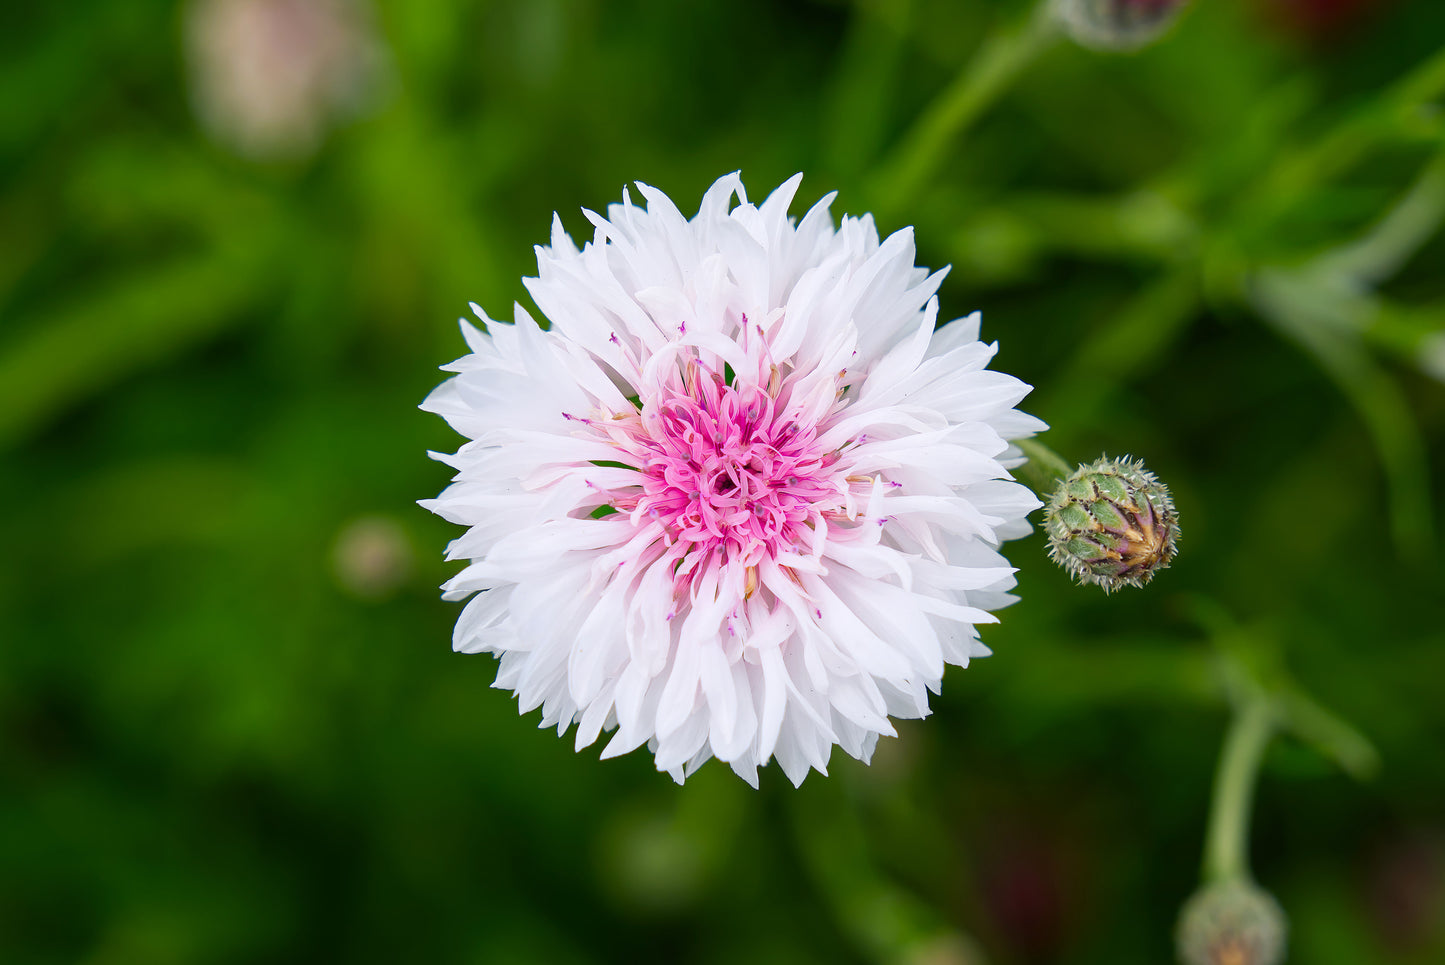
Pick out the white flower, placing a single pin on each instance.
(740, 500)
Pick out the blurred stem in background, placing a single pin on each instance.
(889, 925)
(1229, 918)
(1265, 699)
(1226, 849)
(999, 61)
(1328, 307)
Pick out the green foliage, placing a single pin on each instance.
(231, 727)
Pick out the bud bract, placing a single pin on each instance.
(1112, 523)
(1117, 24)
(1231, 923)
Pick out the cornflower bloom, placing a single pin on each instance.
(739, 499)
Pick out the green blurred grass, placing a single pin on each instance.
(212, 750)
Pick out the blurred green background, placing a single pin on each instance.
(233, 240)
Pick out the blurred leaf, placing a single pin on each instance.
(889, 925)
(1133, 338)
(136, 322)
(1330, 735)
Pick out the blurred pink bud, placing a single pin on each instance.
(372, 557)
(269, 77)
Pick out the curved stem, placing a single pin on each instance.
(987, 75)
(1045, 468)
(1226, 846)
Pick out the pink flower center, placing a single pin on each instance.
(720, 469)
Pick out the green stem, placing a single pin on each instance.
(1226, 847)
(1003, 57)
(1045, 468)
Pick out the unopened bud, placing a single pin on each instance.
(1117, 24)
(1231, 923)
(372, 557)
(1112, 523)
(270, 77)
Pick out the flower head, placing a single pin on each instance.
(740, 500)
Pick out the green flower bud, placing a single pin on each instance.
(1231, 923)
(1117, 25)
(1112, 523)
